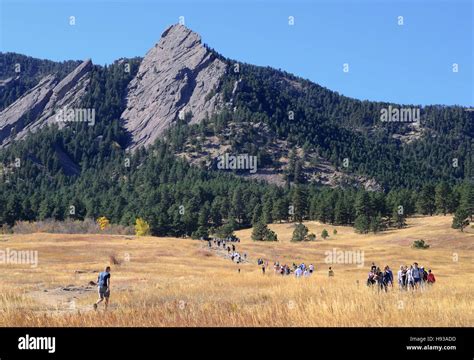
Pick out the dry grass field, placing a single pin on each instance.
(176, 282)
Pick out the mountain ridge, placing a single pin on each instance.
(182, 83)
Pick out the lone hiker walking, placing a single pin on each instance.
(103, 284)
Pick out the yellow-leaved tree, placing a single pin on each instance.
(103, 222)
(142, 228)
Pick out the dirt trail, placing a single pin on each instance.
(61, 300)
(221, 252)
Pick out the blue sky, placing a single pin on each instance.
(408, 64)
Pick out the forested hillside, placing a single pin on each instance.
(176, 198)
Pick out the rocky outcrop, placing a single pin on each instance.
(38, 106)
(72, 79)
(25, 110)
(178, 76)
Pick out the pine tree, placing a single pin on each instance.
(300, 233)
(267, 208)
(398, 216)
(280, 210)
(204, 215)
(442, 197)
(426, 200)
(363, 206)
(376, 225)
(461, 219)
(324, 234)
(362, 224)
(300, 203)
(262, 232)
(467, 199)
(257, 215)
(237, 205)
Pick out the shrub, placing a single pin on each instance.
(324, 234)
(142, 228)
(420, 244)
(69, 226)
(103, 222)
(5, 229)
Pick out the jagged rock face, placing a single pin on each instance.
(38, 106)
(177, 76)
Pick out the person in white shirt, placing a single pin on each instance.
(402, 277)
(298, 272)
(410, 278)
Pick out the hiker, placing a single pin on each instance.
(379, 278)
(371, 278)
(311, 268)
(402, 277)
(233, 247)
(263, 269)
(410, 278)
(298, 272)
(417, 274)
(388, 276)
(424, 276)
(103, 285)
(330, 272)
(430, 279)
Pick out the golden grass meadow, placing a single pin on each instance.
(180, 282)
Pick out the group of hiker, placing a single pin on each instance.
(227, 245)
(409, 277)
(301, 270)
(298, 270)
(223, 244)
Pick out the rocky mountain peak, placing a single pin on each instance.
(177, 76)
